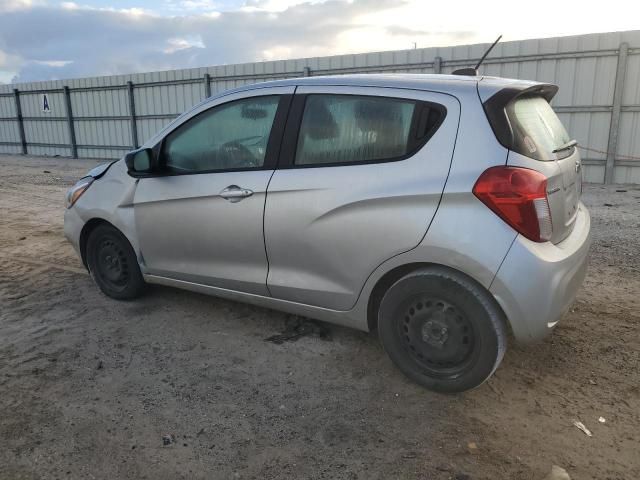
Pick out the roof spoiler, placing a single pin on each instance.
(495, 107)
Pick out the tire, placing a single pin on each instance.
(113, 264)
(442, 329)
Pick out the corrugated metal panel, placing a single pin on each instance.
(583, 66)
(167, 99)
(103, 132)
(629, 134)
(54, 132)
(590, 129)
(32, 105)
(10, 149)
(626, 174)
(149, 127)
(9, 131)
(7, 107)
(594, 174)
(8, 128)
(48, 151)
(99, 103)
(100, 153)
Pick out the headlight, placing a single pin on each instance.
(75, 192)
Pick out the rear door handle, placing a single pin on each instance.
(234, 193)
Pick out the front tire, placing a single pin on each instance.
(442, 329)
(113, 264)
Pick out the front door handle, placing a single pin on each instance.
(234, 193)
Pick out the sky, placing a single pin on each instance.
(52, 39)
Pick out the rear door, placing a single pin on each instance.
(200, 219)
(543, 144)
(360, 176)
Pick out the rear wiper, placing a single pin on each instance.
(565, 146)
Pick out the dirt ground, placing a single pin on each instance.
(89, 386)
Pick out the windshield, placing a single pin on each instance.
(537, 129)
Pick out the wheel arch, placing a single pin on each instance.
(393, 275)
(88, 227)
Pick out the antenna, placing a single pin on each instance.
(474, 71)
(487, 52)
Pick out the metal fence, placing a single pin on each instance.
(102, 117)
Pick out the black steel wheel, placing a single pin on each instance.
(437, 335)
(113, 264)
(442, 329)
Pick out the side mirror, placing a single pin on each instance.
(139, 162)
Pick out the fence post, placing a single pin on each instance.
(207, 85)
(72, 130)
(437, 65)
(132, 115)
(306, 72)
(23, 138)
(614, 126)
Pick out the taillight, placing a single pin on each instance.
(519, 197)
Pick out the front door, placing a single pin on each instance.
(201, 220)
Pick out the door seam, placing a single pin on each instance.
(266, 192)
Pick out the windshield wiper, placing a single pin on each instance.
(565, 146)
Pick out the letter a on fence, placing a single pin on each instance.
(45, 103)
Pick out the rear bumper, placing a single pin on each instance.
(537, 282)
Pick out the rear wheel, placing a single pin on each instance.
(442, 329)
(113, 263)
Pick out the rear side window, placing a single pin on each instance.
(348, 129)
(537, 129)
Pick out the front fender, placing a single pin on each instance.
(110, 198)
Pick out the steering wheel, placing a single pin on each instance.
(236, 155)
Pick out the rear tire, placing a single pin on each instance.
(113, 263)
(442, 329)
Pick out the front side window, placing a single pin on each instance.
(227, 137)
(344, 129)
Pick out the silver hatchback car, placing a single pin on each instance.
(442, 211)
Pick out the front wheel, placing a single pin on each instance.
(113, 263)
(442, 329)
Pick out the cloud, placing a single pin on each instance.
(274, 5)
(191, 5)
(397, 30)
(9, 64)
(177, 44)
(103, 41)
(41, 41)
(13, 5)
(53, 63)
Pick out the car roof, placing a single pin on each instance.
(414, 81)
(456, 85)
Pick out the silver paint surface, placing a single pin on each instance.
(331, 233)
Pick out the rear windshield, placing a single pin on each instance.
(537, 129)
